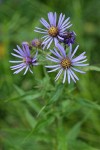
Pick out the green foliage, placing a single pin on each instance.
(35, 112)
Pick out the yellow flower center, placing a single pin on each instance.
(38, 43)
(66, 63)
(53, 31)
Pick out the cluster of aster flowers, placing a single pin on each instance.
(62, 56)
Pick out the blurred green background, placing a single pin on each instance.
(35, 112)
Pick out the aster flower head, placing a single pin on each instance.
(36, 43)
(26, 61)
(53, 29)
(68, 37)
(66, 64)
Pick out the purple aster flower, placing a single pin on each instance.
(53, 29)
(26, 61)
(36, 43)
(66, 64)
(68, 37)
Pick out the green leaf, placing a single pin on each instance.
(57, 94)
(80, 145)
(93, 68)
